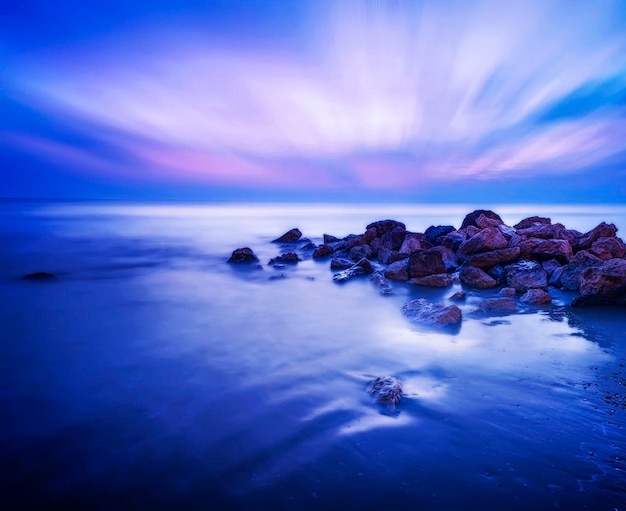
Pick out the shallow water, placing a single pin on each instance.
(151, 374)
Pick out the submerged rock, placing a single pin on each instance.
(40, 275)
(379, 280)
(428, 313)
(243, 255)
(289, 237)
(363, 267)
(386, 390)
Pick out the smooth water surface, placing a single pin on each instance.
(150, 374)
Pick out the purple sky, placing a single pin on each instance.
(338, 100)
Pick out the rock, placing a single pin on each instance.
(309, 245)
(353, 241)
(426, 262)
(243, 255)
(398, 271)
(330, 239)
(385, 226)
(384, 254)
(497, 305)
(454, 239)
(571, 272)
(614, 246)
(497, 273)
(365, 264)
(507, 232)
(386, 390)
(602, 230)
(536, 297)
(485, 240)
(288, 258)
(459, 296)
(338, 245)
(532, 220)
(475, 277)
(379, 280)
(604, 284)
(393, 239)
(428, 313)
(526, 246)
(360, 252)
(289, 236)
(280, 276)
(561, 250)
(338, 263)
(40, 275)
(471, 218)
(370, 235)
(555, 278)
(483, 222)
(489, 259)
(507, 292)
(350, 273)
(437, 280)
(543, 231)
(412, 242)
(525, 275)
(549, 266)
(322, 251)
(448, 256)
(436, 233)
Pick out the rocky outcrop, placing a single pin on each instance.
(603, 230)
(386, 390)
(605, 284)
(526, 275)
(477, 278)
(289, 237)
(243, 255)
(608, 248)
(422, 311)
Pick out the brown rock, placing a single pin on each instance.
(360, 251)
(243, 256)
(571, 272)
(475, 277)
(497, 305)
(385, 226)
(545, 250)
(483, 222)
(330, 239)
(393, 239)
(412, 242)
(507, 292)
(370, 235)
(454, 239)
(438, 280)
(536, 297)
(426, 262)
(428, 313)
(484, 241)
(459, 296)
(398, 270)
(322, 251)
(532, 220)
(448, 256)
(602, 230)
(289, 236)
(614, 246)
(604, 284)
(471, 218)
(525, 275)
(489, 259)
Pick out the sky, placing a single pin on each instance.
(370, 100)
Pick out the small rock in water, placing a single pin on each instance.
(40, 275)
(459, 296)
(428, 313)
(242, 256)
(386, 390)
(536, 297)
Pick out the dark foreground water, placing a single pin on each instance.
(152, 375)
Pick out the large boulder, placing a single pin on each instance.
(398, 271)
(561, 250)
(484, 241)
(428, 313)
(289, 237)
(475, 277)
(604, 284)
(613, 246)
(437, 280)
(426, 262)
(602, 230)
(571, 272)
(471, 218)
(482, 222)
(385, 226)
(525, 275)
(243, 255)
(489, 259)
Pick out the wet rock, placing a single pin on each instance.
(459, 296)
(555, 278)
(384, 226)
(360, 251)
(413, 242)
(288, 258)
(453, 240)
(549, 266)
(365, 264)
(526, 246)
(428, 313)
(536, 297)
(289, 237)
(323, 251)
(477, 278)
(558, 249)
(571, 272)
(489, 259)
(497, 305)
(532, 220)
(525, 275)
(350, 273)
(386, 390)
(339, 263)
(507, 292)
(605, 284)
(485, 240)
(614, 246)
(379, 281)
(328, 238)
(426, 262)
(507, 232)
(243, 255)
(338, 245)
(309, 245)
(40, 275)
(448, 256)
(398, 271)
(437, 280)
(471, 218)
(602, 230)
(436, 233)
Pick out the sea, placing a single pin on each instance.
(151, 374)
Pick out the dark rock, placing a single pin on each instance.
(561, 250)
(497, 273)
(393, 239)
(384, 254)
(543, 231)
(485, 240)
(604, 284)
(603, 230)
(350, 273)
(426, 262)
(448, 256)
(470, 231)
(376, 245)
(365, 264)
(385, 226)
(489, 259)
(322, 251)
(243, 256)
(483, 222)
(397, 256)
(386, 390)
(549, 266)
(532, 220)
(526, 246)
(525, 275)
(613, 246)
(438, 280)
(354, 241)
(459, 296)
(428, 313)
(436, 233)
(507, 232)
(40, 275)
(398, 271)
(475, 277)
(289, 236)
(471, 218)
(330, 239)
(571, 272)
(338, 245)
(454, 239)
(360, 251)
(497, 305)
(370, 235)
(288, 258)
(413, 242)
(338, 263)
(507, 292)
(555, 278)
(536, 297)
(379, 280)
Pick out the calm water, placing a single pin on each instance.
(153, 375)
